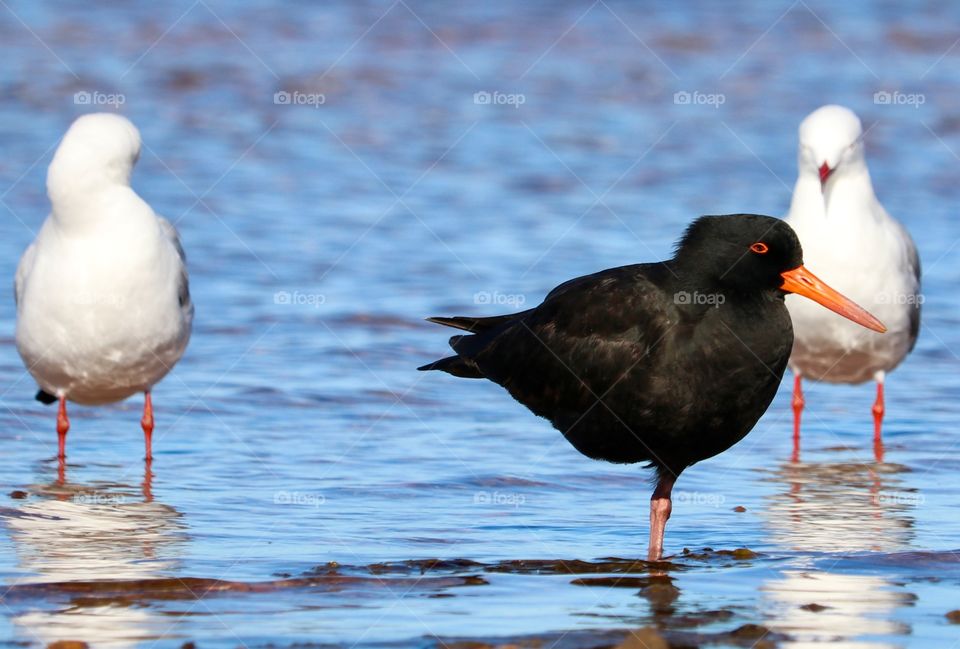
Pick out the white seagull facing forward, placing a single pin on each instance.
(103, 302)
(862, 251)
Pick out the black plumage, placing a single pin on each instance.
(668, 363)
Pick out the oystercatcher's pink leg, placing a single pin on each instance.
(878, 411)
(660, 508)
(147, 423)
(63, 425)
(798, 404)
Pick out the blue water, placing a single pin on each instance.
(295, 432)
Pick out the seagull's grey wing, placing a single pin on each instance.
(183, 289)
(26, 263)
(913, 262)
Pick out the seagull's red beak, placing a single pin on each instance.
(802, 282)
(825, 172)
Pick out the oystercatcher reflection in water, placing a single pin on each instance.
(668, 363)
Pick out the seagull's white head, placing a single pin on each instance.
(831, 145)
(99, 150)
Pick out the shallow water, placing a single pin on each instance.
(296, 433)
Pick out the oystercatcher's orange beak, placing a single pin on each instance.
(802, 282)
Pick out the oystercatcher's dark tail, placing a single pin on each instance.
(454, 365)
(475, 325)
(459, 365)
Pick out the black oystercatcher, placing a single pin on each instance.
(668, 363)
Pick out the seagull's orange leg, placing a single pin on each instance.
(798, 404)
(63, 425)
(878, 411)
(146, 422)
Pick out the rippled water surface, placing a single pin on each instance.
(304, 471)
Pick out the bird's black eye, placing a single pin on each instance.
(760, 248)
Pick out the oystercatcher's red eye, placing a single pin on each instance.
(760, 248)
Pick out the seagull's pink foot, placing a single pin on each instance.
(63, 425)
(146, 422)
(798, 404)
(660, 508)
(878, 411)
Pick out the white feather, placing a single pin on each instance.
(103, 308)
(851, 243)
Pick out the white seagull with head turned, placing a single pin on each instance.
(103, 303)
(861, 250)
